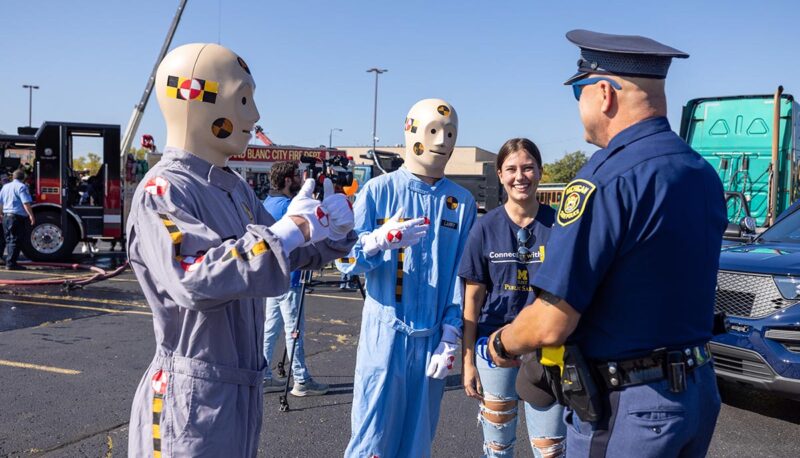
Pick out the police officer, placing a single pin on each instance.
(630, 283)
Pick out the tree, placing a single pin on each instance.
(90, 162)
(564, 169)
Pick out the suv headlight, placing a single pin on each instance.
(788, 286)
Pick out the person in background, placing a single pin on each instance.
(285, 182)
(16, 208)
(3, 181)
(504, 250)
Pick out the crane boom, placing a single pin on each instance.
(138, 110)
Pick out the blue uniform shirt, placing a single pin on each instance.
(636, 245)
(491, 259)
(276, 206)
(13, 195)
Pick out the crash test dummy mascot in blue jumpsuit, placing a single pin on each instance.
(205, 253)
(412, 225)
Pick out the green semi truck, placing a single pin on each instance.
(759, 166)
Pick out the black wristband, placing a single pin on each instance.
(497, 343)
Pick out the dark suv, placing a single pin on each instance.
(758, 288)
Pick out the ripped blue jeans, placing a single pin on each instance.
(499, 437)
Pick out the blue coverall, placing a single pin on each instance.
(411, 293)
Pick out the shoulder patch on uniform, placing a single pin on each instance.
(573, 201)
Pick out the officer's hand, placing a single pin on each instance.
(33, 220)
(501, 362)
(395, 234)
(305, 206)
(339, 210)
(444, 356)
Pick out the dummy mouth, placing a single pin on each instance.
(437, 152)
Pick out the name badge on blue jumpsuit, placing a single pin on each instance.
(573, 201)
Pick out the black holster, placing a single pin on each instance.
(580, 391)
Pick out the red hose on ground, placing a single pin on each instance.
(97, 275)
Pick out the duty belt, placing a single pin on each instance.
(660, 365)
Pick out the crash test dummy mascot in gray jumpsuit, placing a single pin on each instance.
(206, 253)
(412, 225)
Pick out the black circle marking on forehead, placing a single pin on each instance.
(222, 128)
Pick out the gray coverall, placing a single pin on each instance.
(200, 245)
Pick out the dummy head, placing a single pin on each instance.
(205, 92)
(431, 131)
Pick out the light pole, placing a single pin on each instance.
(30, 89)
(330, 136)
(377, 71)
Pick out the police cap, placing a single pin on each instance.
(624, 55)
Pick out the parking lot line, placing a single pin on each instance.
(38, 367)
(79, 307)
(88, 299)
(77, 275)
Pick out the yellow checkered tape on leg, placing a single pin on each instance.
(553, 356)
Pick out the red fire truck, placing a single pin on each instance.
(68, 207)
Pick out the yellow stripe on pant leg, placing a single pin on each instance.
(158, 407)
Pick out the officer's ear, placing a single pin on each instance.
(609, 97)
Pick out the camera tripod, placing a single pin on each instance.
(305, 282)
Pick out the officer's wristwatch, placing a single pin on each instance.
(497, 343)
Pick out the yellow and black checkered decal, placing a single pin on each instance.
(347, 260)
(401, 255)
(398, 289)
(174, 233)
(411, 125)
(179, 87)
(158, 410)
(258, 249)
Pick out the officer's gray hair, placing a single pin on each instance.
(18, 175)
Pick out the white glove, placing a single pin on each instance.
(310, 209)
(394, 234)
(339, 210)
(445, 355)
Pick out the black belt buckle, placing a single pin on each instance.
(676, 372)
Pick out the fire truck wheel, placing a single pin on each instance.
(47, 241)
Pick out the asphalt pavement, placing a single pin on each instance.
(70, 361)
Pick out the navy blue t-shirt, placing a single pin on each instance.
(491, 258)
(637, 239)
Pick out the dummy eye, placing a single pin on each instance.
(244, 100)
(449, 135)
(433, 131)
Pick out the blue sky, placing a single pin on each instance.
(501, 64)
